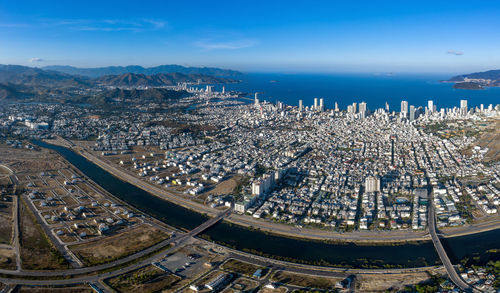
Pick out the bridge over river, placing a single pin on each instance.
(452, 273)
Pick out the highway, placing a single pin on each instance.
(452, 273)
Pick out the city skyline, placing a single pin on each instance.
(256, 37)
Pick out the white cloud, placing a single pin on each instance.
(230, 45)
(453, 52)
(36, 60)
(106, 25)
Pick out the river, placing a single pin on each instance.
(279, 247)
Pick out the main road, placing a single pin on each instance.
(155, 248)
(452, 273)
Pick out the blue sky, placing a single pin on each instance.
(279, 36)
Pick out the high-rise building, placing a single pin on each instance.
(412, 113)
(354, 108)
(257, 99)
(321, 104)
(336, 107)
(430, 105)
(223, 89)
(387, 107)
(372, 184)
(404, 108)
(301, 105)
(315, 104)
(463, 107)
(209, 89)
(362, 109)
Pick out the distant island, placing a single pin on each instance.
(477, 80)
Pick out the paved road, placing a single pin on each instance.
(65, 252)
(174, 241)
(452, 273)
(369, 236)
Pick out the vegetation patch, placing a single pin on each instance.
(243, 268)
(37, 252)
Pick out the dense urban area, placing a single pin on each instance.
(302, 171)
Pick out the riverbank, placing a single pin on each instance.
(332, 253)
(360, 237)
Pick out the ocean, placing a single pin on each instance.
(373, 89)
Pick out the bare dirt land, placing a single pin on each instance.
(225, 187)
(309, 281)
(118, 246)
(491, 139)
(242, 285)
(48, 289)
(243, 268)
(392, 282)
(7, 259)
(5, 219)
(37, 253)
(146, 279)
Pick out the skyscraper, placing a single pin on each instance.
(315, 104)
(463, 107)
(301, 105)
(354, 108)
(321, 104)
(387, 107)
(223, 89)
(412, 113)
(257, 99)
(336, 107)
(404, 108)
(362, 109)
(430, 105)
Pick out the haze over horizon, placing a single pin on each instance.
(257, 36)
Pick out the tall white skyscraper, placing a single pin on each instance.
(354, 108)
(223, 89)
(387, 107)
(430, 105)
(463, 106)
(412, 113)
(336, 107)
(315, 104)
(321, 104)
(362, 109)
(404, 108)
(301, 105)
(209, 89)
(257, 99)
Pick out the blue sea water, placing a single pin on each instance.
(373, 89)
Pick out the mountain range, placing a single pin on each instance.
(21, 82)
(160, 79)
(118, 70)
